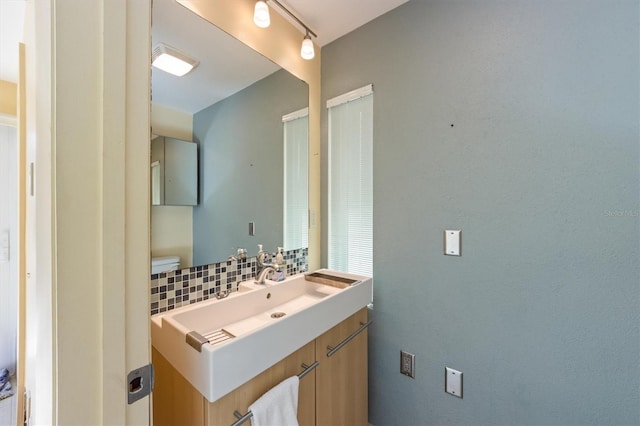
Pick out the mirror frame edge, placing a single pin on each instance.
(281, 44)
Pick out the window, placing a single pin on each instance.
(350, 182)
(296, 180)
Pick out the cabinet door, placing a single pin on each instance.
(180, 172)
(341, 379)
(221, 411)
(175, 400)
(174, 172)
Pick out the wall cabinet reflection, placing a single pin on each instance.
(174, 172)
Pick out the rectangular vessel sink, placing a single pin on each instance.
(217, 345)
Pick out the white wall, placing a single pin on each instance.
(8, 228)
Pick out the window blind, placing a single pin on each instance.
(350, 182)
(296, 180)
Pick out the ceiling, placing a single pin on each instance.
(223, 70)
(331, 19)
(231, 66)
(226, 65)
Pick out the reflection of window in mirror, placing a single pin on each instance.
(296, 179)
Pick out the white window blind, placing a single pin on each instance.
(296, 180)
(350, 181)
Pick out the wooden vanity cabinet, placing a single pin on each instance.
(333, 394)
(175, 401)
(341, 379)
(221, 411)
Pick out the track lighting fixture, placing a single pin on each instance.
(261, 14)
(261, 19)
(307, 51)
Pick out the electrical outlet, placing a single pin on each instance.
(453, 382)
(408, 364)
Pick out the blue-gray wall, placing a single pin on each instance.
(517, 122)
(241, 167)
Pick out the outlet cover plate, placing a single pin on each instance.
(408, 364)
(453, 382)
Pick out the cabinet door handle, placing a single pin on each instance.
(333, 350)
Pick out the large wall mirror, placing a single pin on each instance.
(243, 108)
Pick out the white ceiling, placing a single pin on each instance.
(226, 65)
(331, 19)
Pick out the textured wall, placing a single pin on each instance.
(241, 159)
(517, 122)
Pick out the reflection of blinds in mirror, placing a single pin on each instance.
(350, 207)
(296, 180)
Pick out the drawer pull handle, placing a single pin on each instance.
(333, 350)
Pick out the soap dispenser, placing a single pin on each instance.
(279, 274)
(261, 255)
(279, 257)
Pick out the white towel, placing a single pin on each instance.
(164, 268)
(278, 406)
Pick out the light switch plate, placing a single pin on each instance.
(4, 247)
(313, 219)
(453, 382)
(452, 242)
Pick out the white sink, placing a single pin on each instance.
(247, 330)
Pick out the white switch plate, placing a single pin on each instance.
(313, 219)
(453, 382)
(4, 247)
(452, 243)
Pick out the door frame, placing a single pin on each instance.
(87, 222)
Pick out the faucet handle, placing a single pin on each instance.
(242, 253)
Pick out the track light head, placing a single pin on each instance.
(261, 14)
(307, 51)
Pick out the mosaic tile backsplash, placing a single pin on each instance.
(170, 290)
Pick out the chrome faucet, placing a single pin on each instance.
(264, 272)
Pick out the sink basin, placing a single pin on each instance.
(218, 345)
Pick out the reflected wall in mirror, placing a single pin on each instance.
(241, 145)
(236, 100)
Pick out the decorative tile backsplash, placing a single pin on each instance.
(170, 290)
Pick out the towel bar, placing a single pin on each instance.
(333, 350)
(242, 419)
